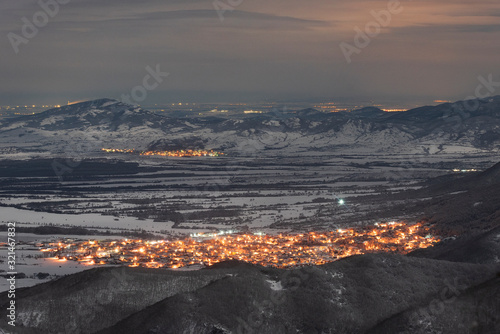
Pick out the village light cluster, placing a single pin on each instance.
(178, 153)
(282, 251)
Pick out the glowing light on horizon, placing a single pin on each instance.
(178, 153)
(394, 110)
(75, 102)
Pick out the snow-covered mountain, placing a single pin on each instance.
(92, 125)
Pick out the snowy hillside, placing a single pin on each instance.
(87, 127)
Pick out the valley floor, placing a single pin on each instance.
(119, 196)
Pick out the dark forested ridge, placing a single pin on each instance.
(354, 295)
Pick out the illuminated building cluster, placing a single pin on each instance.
(282, 251)
(457, 170)
(184, 153)
(116, 150)
(178, 153)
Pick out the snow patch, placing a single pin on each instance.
(337, 275)
(109, 103)
(275, 285)
(14, 126)
(271, 123)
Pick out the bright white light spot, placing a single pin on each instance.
(341, 201)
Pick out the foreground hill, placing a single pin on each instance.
(462, 204)
(353, 295)
(476, 310)
(464, 209)
(90, 126)
(479, 247)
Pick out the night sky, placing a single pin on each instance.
(255, 50)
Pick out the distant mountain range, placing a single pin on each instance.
(90, 126)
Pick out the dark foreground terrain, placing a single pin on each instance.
(362, 294)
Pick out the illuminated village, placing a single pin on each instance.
(282, 251)
(178, 153)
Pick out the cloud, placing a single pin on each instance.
(261, 48)
(455, 29)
